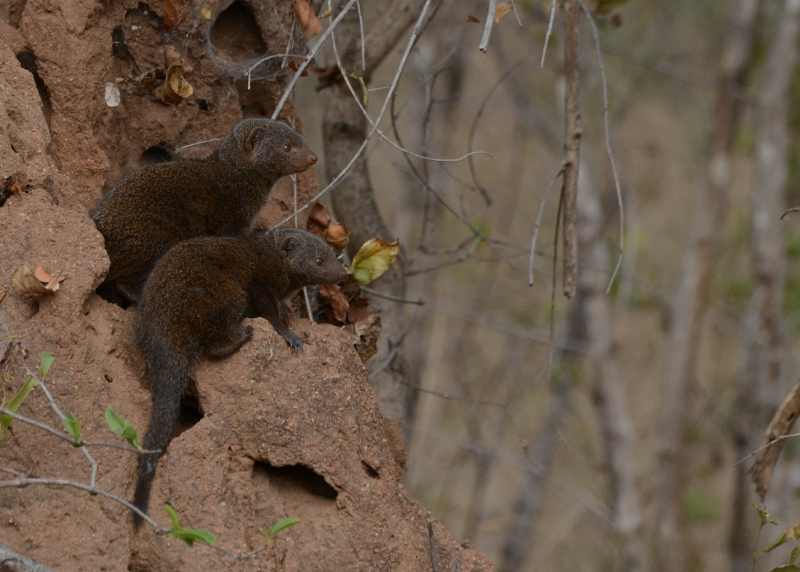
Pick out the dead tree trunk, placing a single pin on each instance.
(690, 299)
(762, 386)
(344, 129)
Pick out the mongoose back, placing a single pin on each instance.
(159, 205)
(193, 305)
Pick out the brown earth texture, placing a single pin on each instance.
(272, 434)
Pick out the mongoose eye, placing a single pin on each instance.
(319, 261)
(287, 147)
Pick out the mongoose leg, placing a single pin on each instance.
(236, 339)
(274, 310)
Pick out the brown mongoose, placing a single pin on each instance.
(161, 204)
(193, 304)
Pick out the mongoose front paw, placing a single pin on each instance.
(294, 341)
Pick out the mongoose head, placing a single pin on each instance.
(309, 258)
(270, 147)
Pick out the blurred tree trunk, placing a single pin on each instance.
(690, 301)
(762, 384)
(344, 129)
(616, 426)
(441, 61)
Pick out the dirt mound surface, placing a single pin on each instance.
(272, 434)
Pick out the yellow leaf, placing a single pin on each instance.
(373, 259)
(501, 11)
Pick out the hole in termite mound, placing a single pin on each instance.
(235, 35)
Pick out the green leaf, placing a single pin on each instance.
(192, 535)
(15, 403)
(46, 363)
(120, 427)
(188, 535)
(280, 526)
(173, 516)
(73, 427)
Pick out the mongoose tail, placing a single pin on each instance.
(169, 373)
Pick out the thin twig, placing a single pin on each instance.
(312, 54)
(381, 134)
(609, 149)
(286, 54)
(26, 482)
(266, 59)
(487, 26)
(474, 128)
(550, 23)
(377, 294)
(297, 225)
(516, 13)
(770, 443)
(790, 211)
(535, 235)
(395, 80)
(204, 142)
(68, 438)
(362, 37)
(54, 406)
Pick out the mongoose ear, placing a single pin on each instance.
(289, 244)
(254, 137)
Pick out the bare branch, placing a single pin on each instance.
(377, 294)
(93, 490)
(550, 23)
(310, 57)
(395, 80)
(609, 149)
(54, 406)
(540, 212)
(487, 26)
(572, 147)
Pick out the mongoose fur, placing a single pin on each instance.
(159, 205)
(193, 304)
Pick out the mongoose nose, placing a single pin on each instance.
(312, 158)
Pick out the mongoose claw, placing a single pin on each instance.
(294, 341)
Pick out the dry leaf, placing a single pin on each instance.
(501, 11)
(175, 88)
(321, 224)
(173, 13)
(337, 300)
(41, 274)
(774, 440)
(308, 19)
(205, 13)
(473, 20)
(27, 285)
(374, 258)
(318, 220)
(367, 332)
(12, 185)
(337, 235)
